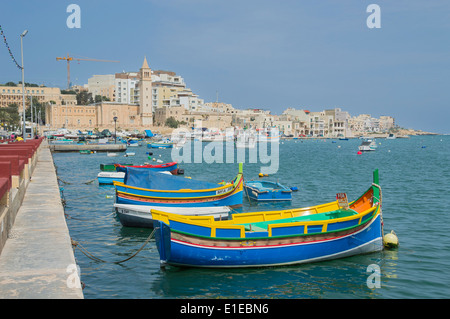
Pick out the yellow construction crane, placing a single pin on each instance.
(70, 58)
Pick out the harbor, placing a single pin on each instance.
(215, 172)
(92, 223)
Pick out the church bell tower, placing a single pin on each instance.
(145, 94)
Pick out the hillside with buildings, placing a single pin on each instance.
(158, 99)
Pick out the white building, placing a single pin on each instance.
(126, 84)
(103, 85)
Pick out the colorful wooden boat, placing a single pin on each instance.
(169, 167)
(267, 191)
(160, 145)
(153, 188)
(275, 238)
(110, 177)
(141, 216)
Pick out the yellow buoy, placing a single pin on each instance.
(390, 240)
(261, 174)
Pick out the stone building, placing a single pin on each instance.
(101, 115)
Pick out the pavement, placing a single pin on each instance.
(37, 261)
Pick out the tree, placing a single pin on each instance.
(84, 98)
(171, 122)
(10, 115)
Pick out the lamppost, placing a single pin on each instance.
(115, 135)
(24, 33)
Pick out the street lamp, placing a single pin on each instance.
(24, 33)
(115, 135)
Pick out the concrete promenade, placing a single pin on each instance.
(37, 260)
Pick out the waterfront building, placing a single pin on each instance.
(13, 94)
(365, 123)
(191, 101)
(103, 85)
(125, 86)
(101, 115)
(300, 121)
(339, 126)
(386, 123)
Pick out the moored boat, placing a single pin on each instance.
(161, 144)
(141, 216)
(110, 177)
(327, 231)
(153, 188)
(267, 191)
(368, 145)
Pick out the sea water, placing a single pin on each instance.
(414, 176)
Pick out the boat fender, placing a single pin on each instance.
(294, 188)
(390, 240)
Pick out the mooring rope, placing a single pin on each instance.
(88, 254)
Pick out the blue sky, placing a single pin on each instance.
(307, 54)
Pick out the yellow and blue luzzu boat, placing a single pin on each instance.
(285, 237)
(156, 189)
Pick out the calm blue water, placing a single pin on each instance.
(414, 176)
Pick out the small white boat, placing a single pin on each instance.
(110, 177)
(141, 216)
(368, 145)
(391, 137)
(129, 154)
(112, 154)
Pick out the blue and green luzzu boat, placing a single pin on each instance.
(156, 189)
(286, 237)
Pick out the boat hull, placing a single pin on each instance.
(141, 216)
(160, 145)
(180, 250)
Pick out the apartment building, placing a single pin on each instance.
(13, 94)
(103, 85)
